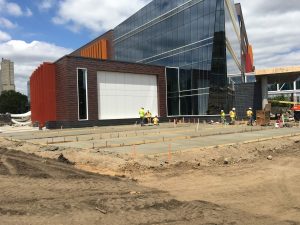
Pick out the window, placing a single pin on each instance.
(82, 94)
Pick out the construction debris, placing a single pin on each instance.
(63, 159)
(49, 148)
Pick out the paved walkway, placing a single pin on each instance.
(201, 142)
(150, 140)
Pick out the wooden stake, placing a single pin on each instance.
(134, 151)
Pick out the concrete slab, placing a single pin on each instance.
(149, 140)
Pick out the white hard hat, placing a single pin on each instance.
(233, 109)
(250, 108)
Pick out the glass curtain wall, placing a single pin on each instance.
(82, 94)
(189, 37)
(233, 51)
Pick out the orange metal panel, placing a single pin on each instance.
(250, 52)
(90, 52)
(103, 49)
(98, 54)
(43, 94)
(97, 50)
(93, 51)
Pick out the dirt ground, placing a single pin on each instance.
(225, 185)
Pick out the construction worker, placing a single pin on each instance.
(148, 116)
(232, 115)
(223, 117)
(142, 115)
(250, 116)
(155, 121)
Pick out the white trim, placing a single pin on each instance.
(86, 95)
(198, 89)
(183, 96)
(283, 92)
(177, 49)
(140, 61)
(98, 97)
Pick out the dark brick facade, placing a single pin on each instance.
(66, 85)
(247, 95)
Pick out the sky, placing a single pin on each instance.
(35, 31)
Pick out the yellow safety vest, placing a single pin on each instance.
(155, 120)
(232, 114)
(249, 113)
(148, 115)
(142, 113)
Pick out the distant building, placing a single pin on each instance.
(7, 78)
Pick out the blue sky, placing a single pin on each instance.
(36, 23)
(44, 30)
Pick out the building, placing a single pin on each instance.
(7, 80)
(76, 91)
(190, 55)
(290, 90)
(280, 81)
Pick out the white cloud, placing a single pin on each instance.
(95, 15)
(28, 12)
(46, 4)
(13, 9)
(6, 23)
(4, 36)
(27, 56)
(272, 28)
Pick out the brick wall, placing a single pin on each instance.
(247, 95)
(66, 83)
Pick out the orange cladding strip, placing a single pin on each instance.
(104, 49)
(250, 52)
(97, 50)
(43, 94)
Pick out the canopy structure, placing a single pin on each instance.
(279, 74)
(273, 76)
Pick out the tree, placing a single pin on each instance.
(13, 102)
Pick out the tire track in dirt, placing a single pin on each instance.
(11, 170)
(42, 192)
(283, 191)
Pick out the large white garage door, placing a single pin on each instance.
(121, 95)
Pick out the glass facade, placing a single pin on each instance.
(290, 90)
(82, 94)
(189, 37)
